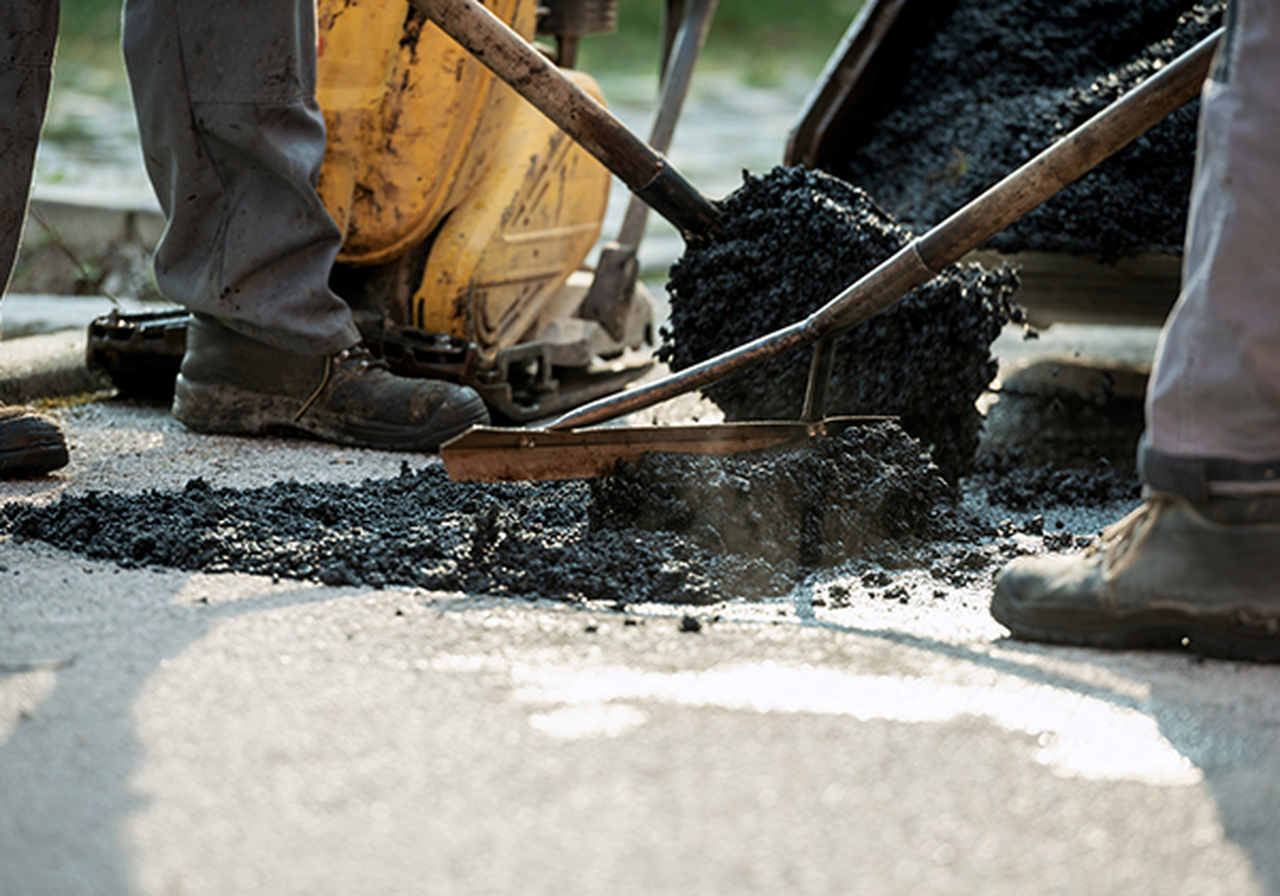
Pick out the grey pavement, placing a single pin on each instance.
(46, 366)
(167, 732)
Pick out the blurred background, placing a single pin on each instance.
(760, 62)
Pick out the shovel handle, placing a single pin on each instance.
(646, 172)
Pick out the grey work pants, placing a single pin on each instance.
(233, 141)
(28, 33)
(1213, 404)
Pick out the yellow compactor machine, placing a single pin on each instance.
(467, 215)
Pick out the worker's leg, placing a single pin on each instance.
(1200, 559)
(29, 444)
(233, 141)
(27, 38)
(1213, 406)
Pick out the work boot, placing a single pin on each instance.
(229, 383)
(1170, 573)
(30, 445)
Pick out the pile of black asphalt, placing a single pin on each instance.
(665, 528)
(1020, 488)
(981, 86)
(790, 241)
(867, 503)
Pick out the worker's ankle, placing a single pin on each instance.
(1222, 489)
(217, 354)
(1241, 510)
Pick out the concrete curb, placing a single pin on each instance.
(46, 366)
(32, 314)
(76, 239)
(89, 220)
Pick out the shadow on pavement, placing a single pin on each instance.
(66, 768)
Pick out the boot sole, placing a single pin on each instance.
(1219, 637)
(33, 459)
(229, 410)
(37, 448)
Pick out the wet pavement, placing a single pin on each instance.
(174, 732)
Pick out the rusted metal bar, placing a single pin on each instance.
(498, 454)
(815, 393)
(608, 301)
(1027, 187)
(504, 52)
(677, 74)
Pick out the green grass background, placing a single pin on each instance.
(758, 37)
(89, 33)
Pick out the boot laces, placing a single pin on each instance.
(356, 357)
(359, 357)
(1120, 541)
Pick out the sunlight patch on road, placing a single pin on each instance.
(588, 720)
(1076, 735)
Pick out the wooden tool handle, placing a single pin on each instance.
(505, 53)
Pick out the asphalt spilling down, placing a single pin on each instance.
(795, 238)
(983, 85)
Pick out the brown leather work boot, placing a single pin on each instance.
(1171, 573)
(232, 384)
(30, 445)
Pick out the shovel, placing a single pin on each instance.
(496, 453)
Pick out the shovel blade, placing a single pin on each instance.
(502, 454)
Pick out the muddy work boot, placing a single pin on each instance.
(30, 445)
(1171, 573)
(229, 383)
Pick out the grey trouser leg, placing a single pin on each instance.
(28, 33)
(1213, 403)
(233, 141)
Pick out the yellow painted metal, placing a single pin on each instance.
(528, 225)
(357, 48)
(419, 133)
(412, 119)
